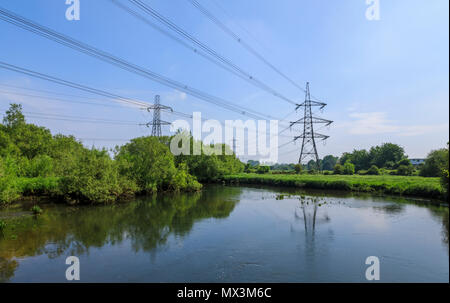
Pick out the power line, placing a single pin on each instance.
(55, 99)
(162, 19)
(42, 76)
(289, 152)
(243, 76)
(48, 116)
(241, 41)
(46, 91)
(88, 89)
(282, 145)
(96, 53)
(216, 3)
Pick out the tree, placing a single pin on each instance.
(373, 170)
(14, 116)
(389, 165)
(405, 170)
(338, 169)
(435, 163)
(212, 167)
(312, 165)
(253, 163)
(329, 162)
(95, 179)
(404, 162)
(380, 155)
(298, 168)
(344, 158)
(360, 158)
(445, 175)
(263, 169)
(349, 168)
(149, 163)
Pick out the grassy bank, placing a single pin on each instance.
(392, 185)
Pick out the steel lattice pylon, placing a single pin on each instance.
(157, 122)
(309, 148)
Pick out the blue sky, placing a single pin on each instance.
(384, 81)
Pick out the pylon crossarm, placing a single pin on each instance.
(313, 120)
(311, 103)
(151, 107)
(161, 123)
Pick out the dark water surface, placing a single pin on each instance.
(230, 234)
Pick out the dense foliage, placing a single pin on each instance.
(436, 161)
(35, 162)
(152, 166)
(386, 155)
(208, 168)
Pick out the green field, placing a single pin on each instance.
(382, 184)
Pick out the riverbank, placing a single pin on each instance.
(389, 185)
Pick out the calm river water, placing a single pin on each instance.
(230, 234)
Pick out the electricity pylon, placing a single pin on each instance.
(309, 148)
(157, 122)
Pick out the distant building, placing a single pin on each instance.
(417, 162)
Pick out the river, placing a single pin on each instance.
(230, 234)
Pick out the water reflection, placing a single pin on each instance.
(146, 223)
(194, 237)
(441, 213)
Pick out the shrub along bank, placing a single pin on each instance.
(33, 162)
(392, 185)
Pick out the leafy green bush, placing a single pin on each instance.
(209, 168)
(389, 165)
(298, 168)
(405, 170)
(40, 166)
(338, 169)
(2, 225)
(444, 182)
(445, 174)
(184, 181)
(373, 170)
(349, 168)
(33, 162)
(94, 180)
(8, 181)
(151, 165)
(435, 163)
(36, 210)
(404, 161)
(263, 169)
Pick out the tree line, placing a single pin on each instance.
(385, 158)
(36, 163)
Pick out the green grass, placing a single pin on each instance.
(384, 184)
